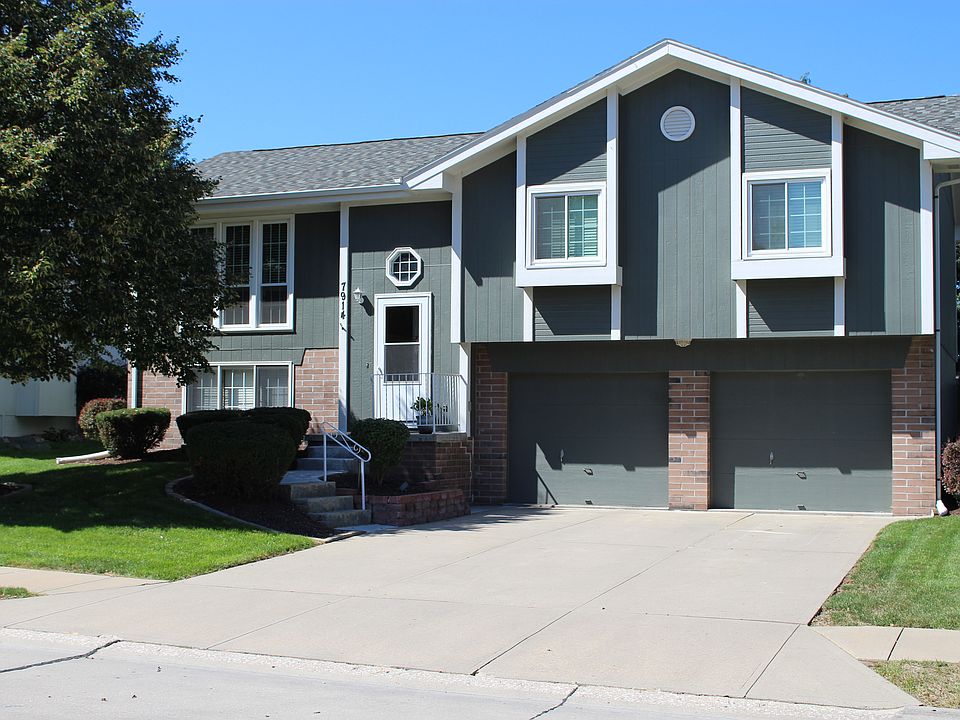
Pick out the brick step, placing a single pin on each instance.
(343, 518)
(325, 504)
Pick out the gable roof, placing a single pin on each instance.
(939, 111)
(668, 55)
(324, 167)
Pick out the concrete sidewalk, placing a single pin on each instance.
(56, 582)
(698, 603)
(895, 643)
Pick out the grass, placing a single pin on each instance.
(932, 683)
(909, 577)
(11, 593)
(116, 519)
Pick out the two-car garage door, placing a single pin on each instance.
(779, 440)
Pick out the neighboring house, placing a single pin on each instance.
(31, 408)
(685, 283)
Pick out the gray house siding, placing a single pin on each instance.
(316, 258)
(571, 150)
(790, 307)
(374, 232)
(780, 135)
(948, 311)
(675, 213)
(492, 302)
(571, 313)
(881, 234)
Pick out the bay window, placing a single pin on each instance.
(240, 387)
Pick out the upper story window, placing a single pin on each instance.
(258, 265)
(787, 216)
(566, 225)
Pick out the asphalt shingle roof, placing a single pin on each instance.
(325, 167)
(940, 111)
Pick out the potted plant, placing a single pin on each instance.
(423, 408)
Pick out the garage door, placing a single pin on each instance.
(801, 441)
(588, 439)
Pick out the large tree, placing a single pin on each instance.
(96, 196)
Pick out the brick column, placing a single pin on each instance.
(162, 391)
(913, 389)
(689, 443)
(315, 385)
(490, 404)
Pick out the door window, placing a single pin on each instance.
(401, 342)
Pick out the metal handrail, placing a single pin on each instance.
(358, 451)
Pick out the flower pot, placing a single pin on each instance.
(425, 423)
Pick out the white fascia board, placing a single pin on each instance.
(265, 205)
(932, 151)
(456, 265)
(797, 267)
(298, 194)
(704, 63)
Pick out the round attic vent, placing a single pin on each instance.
(677, 123)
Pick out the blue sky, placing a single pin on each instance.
(295, 72)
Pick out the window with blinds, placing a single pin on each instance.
(786, 216)
(237, 271)
(273, 281)
(566, 226)
(239, 387)
(202, 393)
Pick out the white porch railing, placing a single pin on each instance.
(436, 400)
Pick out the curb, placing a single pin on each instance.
(171, 492)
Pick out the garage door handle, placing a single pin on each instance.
(802, 475)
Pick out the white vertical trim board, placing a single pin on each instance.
(456, 263)
(741, 308)
(345, 298)
(528, 314)
(521, 199)
(839, 307)
(926, 248)
(464, 409)
(613, 165)
(616, 313)
(736, 172)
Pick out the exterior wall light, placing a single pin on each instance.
(358, 296)
(683, 342)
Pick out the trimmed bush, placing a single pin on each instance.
(951, 469)
(87, 420)
(295, 421)
(240, 459)
(131, 432)
(385, 439)
(190, 420)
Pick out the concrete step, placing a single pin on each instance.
(327, 504)
(333, 451)
(307, 484)
(334, 465)
(343, 518)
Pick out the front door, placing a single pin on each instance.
(402, 355)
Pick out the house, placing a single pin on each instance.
(685, 282)
(32, 407)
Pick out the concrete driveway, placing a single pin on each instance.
(707, 603)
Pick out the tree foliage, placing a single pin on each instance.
(96, 196)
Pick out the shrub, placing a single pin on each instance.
(295, 421)
(951, 468)
(240, 459)
(190, 420)
(385, 439)
(131, 432)
(87, 420)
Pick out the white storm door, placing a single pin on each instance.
(401, 355)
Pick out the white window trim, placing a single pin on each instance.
(421, 300)
(389, 264)
(786, 176)
(564, 190)
(218, 369)
(256, 267)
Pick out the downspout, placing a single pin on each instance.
(134, 386)
(938, 291)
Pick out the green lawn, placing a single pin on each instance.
(116, 519)
(14, 593)
(933, 683)
(909, 577)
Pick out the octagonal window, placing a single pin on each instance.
(404, 267)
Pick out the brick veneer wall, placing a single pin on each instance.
(441, 461)
(315, 386)
(490, 405)
(418, 507)
(688, 468)
(913, 389)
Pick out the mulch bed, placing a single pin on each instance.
(277, 515)
(7, 488)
